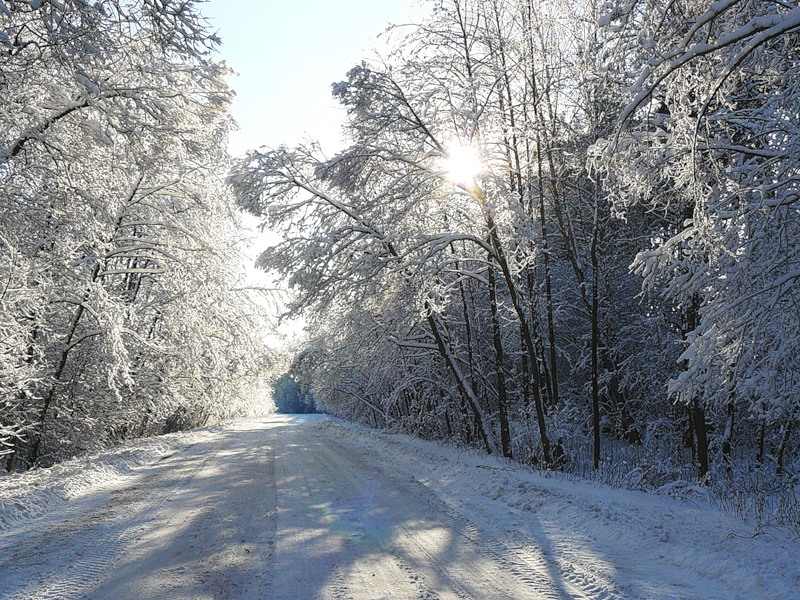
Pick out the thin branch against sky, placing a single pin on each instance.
(287, 55)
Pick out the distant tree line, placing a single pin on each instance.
(289, 397)
(617, 273)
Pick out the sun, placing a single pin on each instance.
(462, 164)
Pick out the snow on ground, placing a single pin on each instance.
(27, 495)
(642, 545)
(311, 507)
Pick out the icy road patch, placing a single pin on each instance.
(309, 507)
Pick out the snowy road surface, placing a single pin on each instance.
(307, 507)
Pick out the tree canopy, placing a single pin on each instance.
(121, 282)
(557, 223)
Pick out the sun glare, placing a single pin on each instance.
(462, 164)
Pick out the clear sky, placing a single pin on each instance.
(287, 54)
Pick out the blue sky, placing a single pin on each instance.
(287, 54)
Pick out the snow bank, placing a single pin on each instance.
(33, 494)
(651, 546)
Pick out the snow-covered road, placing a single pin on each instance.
(307, 507)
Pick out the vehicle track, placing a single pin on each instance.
(284, 509)
(549, 575)
(503, 560)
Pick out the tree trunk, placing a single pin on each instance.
(727, 438)
(502, 398)
(701, 436)
(527, 336)
(696, 413)
(787, 432)
(33, 456)
(595, 344)
(464, 387)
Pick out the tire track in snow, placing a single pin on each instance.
(521, 555)
(337, 586)
(423, 590)
(530, 572)
(271, 517)
(366, 580)
(113, 527)
(90, 567)
(524, 557)
(522, 564)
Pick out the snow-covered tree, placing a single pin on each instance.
(121, 298)
(710, 141)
